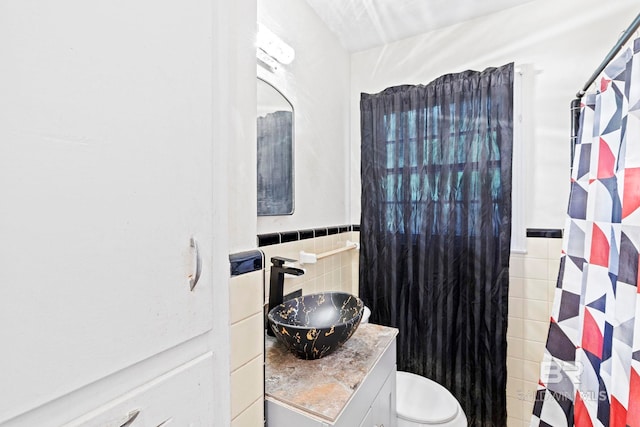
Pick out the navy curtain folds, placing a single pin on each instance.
(436, 229)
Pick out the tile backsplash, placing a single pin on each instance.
(311, 233)
(334, 273)
(532, 282)
(247, 349)
(532, 279)
(249, 287)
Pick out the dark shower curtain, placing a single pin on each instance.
(436, 228)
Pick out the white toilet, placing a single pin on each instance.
(421, 402)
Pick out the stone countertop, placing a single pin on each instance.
(322, 387)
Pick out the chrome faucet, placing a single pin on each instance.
(276, 283)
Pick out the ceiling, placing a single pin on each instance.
(363, 24)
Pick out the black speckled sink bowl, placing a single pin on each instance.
(312, 326)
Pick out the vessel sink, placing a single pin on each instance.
(312, 326)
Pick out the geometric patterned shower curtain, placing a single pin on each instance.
(590, 373)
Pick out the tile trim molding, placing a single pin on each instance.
(295, 235)
(246, 262)
(253, 260)
(549, 233)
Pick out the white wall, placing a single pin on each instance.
(317, 84)
(234, 125)
(532, 289)
(564, 41)
(236, 122)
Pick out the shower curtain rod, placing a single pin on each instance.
(612, 53)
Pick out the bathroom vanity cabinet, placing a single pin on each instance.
(352, 387)
(383, 409)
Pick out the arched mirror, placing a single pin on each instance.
(275, 152)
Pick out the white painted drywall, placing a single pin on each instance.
(317, 84)
(237, 121)
(564, 41)
(233, 100)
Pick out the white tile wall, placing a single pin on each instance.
(247, 385)
(247, 349)
(252, 416)
(245, 294)
(246, 340)
(248, 293)
(334, 273)
(532, 282)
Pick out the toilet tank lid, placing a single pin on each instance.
(421, 400)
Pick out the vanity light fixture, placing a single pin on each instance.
(272, 46)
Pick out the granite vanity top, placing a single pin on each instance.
(306, 384)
